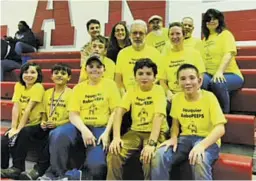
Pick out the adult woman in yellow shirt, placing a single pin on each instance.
(26, 118)
(223, 74)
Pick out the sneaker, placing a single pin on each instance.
(12, 172)
(47, 176)
(32, 175)
(74, 174)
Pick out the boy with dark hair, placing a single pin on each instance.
(55, 102)
(149, 125)
(198, 115)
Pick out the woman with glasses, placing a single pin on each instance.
(222, 73)
(119, 39)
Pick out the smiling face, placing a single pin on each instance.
(176, 35)
(60, 77)
(212, 23)
(120, 33)
(97, 47)
(156, 24)
(30, 76)
(94, 30)
(189, 81)
(145, 77)
(95, 70)
(188, 27)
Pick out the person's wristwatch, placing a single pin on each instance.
(152, 142)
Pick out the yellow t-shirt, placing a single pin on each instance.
(22, 96)
(197, 118)
(215, 48)
(144, 105)
(127, 58)
(109, 69)
(157, 41)
(173, 60)
(60, 115)
(95, 103)
(193, 42)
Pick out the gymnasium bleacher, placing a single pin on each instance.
(232, 164)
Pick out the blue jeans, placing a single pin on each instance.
(163, 161)
(21, 47)
(7, 66)
(222, 90)
(63, 137)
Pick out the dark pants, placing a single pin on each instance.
(63, 138)
(27, 136)
(222, 90)
(7, 66)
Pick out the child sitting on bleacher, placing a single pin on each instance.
(198, 114)
(99, 46)
(91, 114)
(55, 102)
(149, 127)
(26, 118)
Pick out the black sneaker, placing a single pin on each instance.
(32, 175)
(12, 172)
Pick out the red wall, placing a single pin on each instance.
(139, 9)
(242, 24)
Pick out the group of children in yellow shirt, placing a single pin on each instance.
(64, 118)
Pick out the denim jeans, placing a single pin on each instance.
(62, 138)
(21, 47)
(222, 90)
(7, 66)
(163, 161)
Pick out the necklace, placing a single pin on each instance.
(53, 107)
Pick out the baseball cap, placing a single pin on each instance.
(155, 17)
(94, 58)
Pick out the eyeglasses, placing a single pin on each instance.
(135, 33)
(210, 18)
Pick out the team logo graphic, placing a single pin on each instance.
(143, 114)
(193, 128)
(92, 109)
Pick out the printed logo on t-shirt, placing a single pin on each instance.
(160, 45)
(176, 63)
(92, 109)
(24, 99)
(143, 115)
(192, 115)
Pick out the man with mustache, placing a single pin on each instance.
(159, 35)
(189, 41)
(93, 29)
(128, 56)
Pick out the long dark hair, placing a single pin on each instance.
(25, 67)
(24, 23)
(113, 44)
(207, 17)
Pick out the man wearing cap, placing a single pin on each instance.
(189, 41)
(128, 56)
(159, 35)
